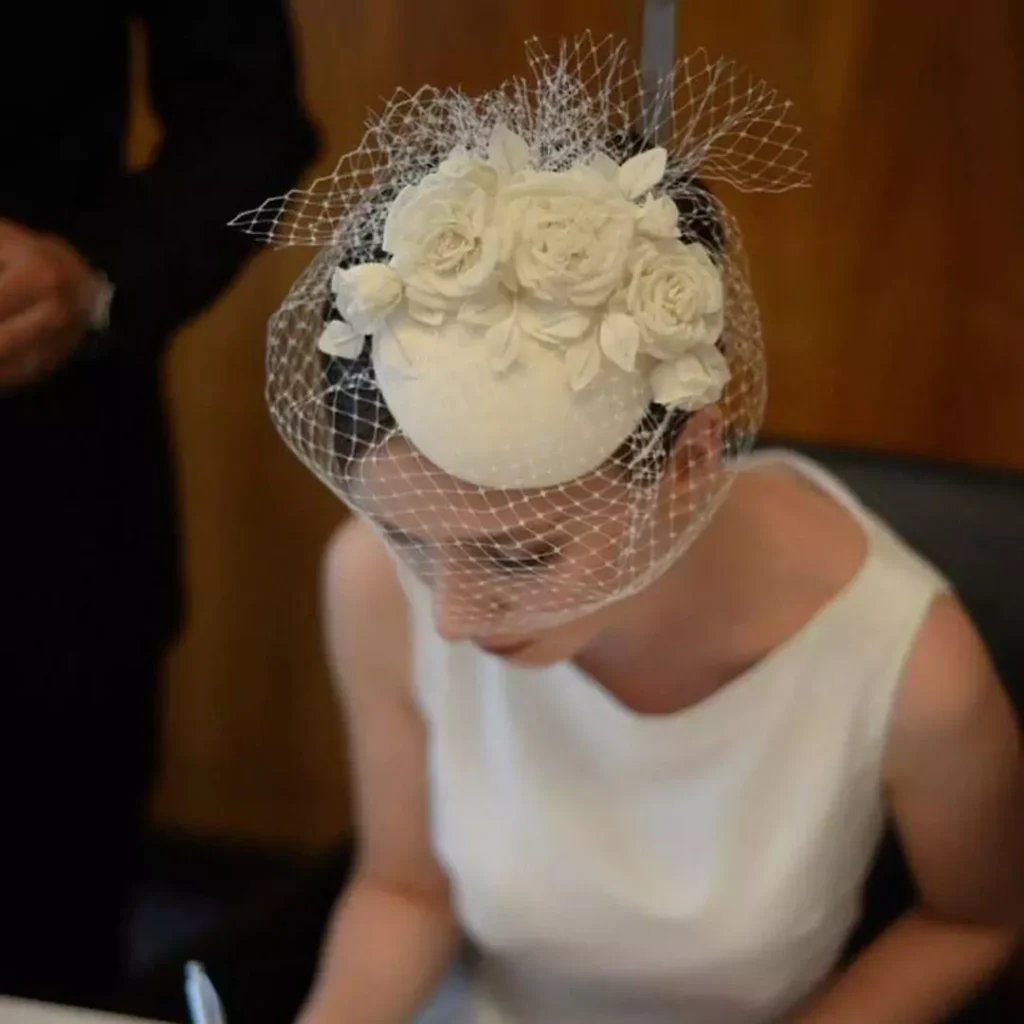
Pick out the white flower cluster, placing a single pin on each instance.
(588, 260)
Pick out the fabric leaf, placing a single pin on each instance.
(341, 340)
(620, 340)
(508, 152)
(503, 341)
(583, 363)
(643, 172)
(425, 314)
(605, 166)
(565, 325)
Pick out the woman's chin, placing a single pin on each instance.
(524, 654)
(508, 650)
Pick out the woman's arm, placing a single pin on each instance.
(955, 783)
(393, 934)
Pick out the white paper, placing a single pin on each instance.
(19, 1011)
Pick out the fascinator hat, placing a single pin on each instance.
(527, 349)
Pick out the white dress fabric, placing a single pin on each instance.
(703, 867)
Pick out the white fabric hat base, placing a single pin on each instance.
(520, 428)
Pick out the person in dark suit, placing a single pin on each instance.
(99, 267)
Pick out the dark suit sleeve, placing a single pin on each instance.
(222, 81)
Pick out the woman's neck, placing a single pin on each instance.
(777, 551)
(666, 647)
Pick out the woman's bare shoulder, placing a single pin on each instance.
(817, 544)
(365, 620)
(953, 774)
(365, 617)
(949, 681)
(358, 569)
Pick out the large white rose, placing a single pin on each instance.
(566, 236)
(694, 381)
(676, 297)
(443, 240)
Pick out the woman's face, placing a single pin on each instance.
(525, 574)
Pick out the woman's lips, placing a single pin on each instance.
(504, 650)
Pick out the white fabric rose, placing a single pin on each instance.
(676, 297)
(366, 294)
(692, 382)
(566, 236)
(443, 240)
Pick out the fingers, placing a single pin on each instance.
(17, 292)
(8, 229)
(25, 278)
(20, 374)
(12, 238)
(23, 341)
(36, 269)
(43, 309)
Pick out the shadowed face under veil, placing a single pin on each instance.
(531, 574)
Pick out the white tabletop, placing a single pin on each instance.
(18, 1011)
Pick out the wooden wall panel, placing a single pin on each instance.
(892, 314)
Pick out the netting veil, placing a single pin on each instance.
(527, 350)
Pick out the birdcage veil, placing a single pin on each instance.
(527, 349)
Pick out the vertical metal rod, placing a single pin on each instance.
(657, 60)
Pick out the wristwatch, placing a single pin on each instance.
(99, 309)
(95, 341)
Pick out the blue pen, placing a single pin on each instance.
(204, 1005)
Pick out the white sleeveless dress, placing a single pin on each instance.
(703, 867)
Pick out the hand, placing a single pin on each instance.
(47, 293)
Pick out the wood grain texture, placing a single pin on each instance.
(893, 319)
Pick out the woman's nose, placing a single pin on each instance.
(450, 623)
(462, 610)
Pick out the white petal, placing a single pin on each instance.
(643, 172)
(714, 324)
(583, 363)
(367, 292)
(620, 340)
(504, 341)
(341, 340)
(475, 313)
(555, 324)
(693, 382)
(716, 363)
(665, 387)
(338, 282)
(570, 325)
(605, 166)
(476, 210)
(425, 314)
(391, 234)
(659, 218)
(508, 153)
(389, 348)
(508, 276)
(456, 163)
